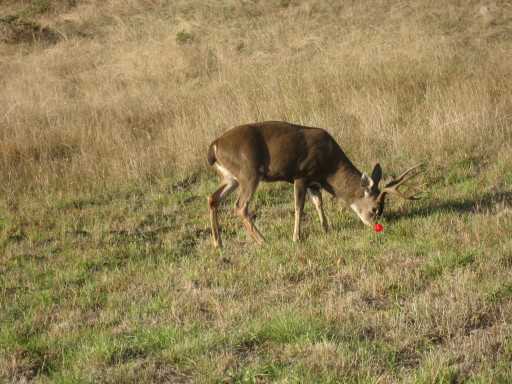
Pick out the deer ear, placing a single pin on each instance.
(366, 182)
(377, 174)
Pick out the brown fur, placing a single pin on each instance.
(307, 157)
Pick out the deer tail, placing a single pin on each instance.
(212, 158)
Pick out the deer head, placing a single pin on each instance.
(371, 205)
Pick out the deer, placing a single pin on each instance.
(307, 157)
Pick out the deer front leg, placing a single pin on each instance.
(299, 189)
(316, 196)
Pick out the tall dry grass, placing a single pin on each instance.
(123, 285)
(136, 90)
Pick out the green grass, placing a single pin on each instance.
(107, 271)
(124, 286)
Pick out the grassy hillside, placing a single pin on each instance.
(107, 273)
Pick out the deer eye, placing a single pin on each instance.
(375, 210)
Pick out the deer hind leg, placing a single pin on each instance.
(228, 185)
(299, 189)
(247, 190)
(316, 196)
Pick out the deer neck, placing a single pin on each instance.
(345, 183)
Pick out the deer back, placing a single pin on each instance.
(278, 152)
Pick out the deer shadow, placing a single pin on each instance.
(491, 202)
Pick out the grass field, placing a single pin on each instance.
(107, 273)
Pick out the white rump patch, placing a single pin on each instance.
(227, 175)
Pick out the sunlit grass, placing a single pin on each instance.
(107, 271)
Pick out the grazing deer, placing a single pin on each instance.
(307, 157)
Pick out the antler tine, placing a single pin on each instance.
(392, 186)
(397, 193)
(408, 171)
(416, 187)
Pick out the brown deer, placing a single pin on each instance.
(307, 157)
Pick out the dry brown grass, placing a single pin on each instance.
(107, 273)
(136, 90)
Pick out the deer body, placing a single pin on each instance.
(307, 157)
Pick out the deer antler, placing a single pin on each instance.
(392, 186)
